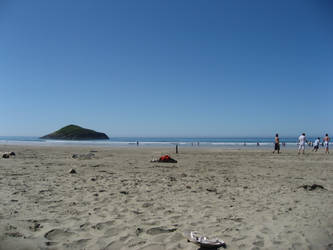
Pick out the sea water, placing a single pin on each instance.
(241, 142)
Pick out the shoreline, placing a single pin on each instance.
(222, 146)
(245, 142)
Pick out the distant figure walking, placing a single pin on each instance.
(137, 143)
(316, 144)
(301, 143)
(326, 143)
(276, 144)
(258, 144)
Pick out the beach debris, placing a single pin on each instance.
(233, 218)
(312, 187)
(172, 178)
(138, 231)
(213, 190)
(204, 242)
(72, 171)
(164, 158)
(124, 192)
(160, 230)
(7, 155)
(35, 227)
(137, 212)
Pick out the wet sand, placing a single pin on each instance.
(118, 199)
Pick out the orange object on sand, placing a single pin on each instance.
(167, 158)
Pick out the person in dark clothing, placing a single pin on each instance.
(276, 144)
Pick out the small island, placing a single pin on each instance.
(74, 132)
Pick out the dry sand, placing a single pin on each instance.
(119, 200)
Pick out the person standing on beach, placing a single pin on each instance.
(316, 144)
(301, 143)
(326, 143)
(276, 144)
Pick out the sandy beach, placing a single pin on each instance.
(118, 199)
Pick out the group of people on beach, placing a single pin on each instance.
(301, 143)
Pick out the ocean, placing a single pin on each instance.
(157, 142)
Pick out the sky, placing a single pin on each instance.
(167, 68)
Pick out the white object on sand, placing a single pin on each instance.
(204, 242)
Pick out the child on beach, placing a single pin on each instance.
(277, 144)
(316, 144)
(326, 143)
(301, 143)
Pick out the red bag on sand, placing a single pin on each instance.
(167, 158)
(164, 158)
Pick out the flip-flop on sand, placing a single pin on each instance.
(204, 242)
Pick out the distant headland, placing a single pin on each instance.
(74, 132)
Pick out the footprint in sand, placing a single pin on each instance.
(85, 226)
(259, 243)
(277, 242)
(153, 246)
(239, 238)
(58, 234)
(297, 246)
(242, 247)
(160, 230)
(102, 225)
(265, 230)
(77, 244)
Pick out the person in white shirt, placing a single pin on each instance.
(316, 144)
(301, 143)
(326, 143)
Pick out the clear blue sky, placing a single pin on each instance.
(167, 68)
